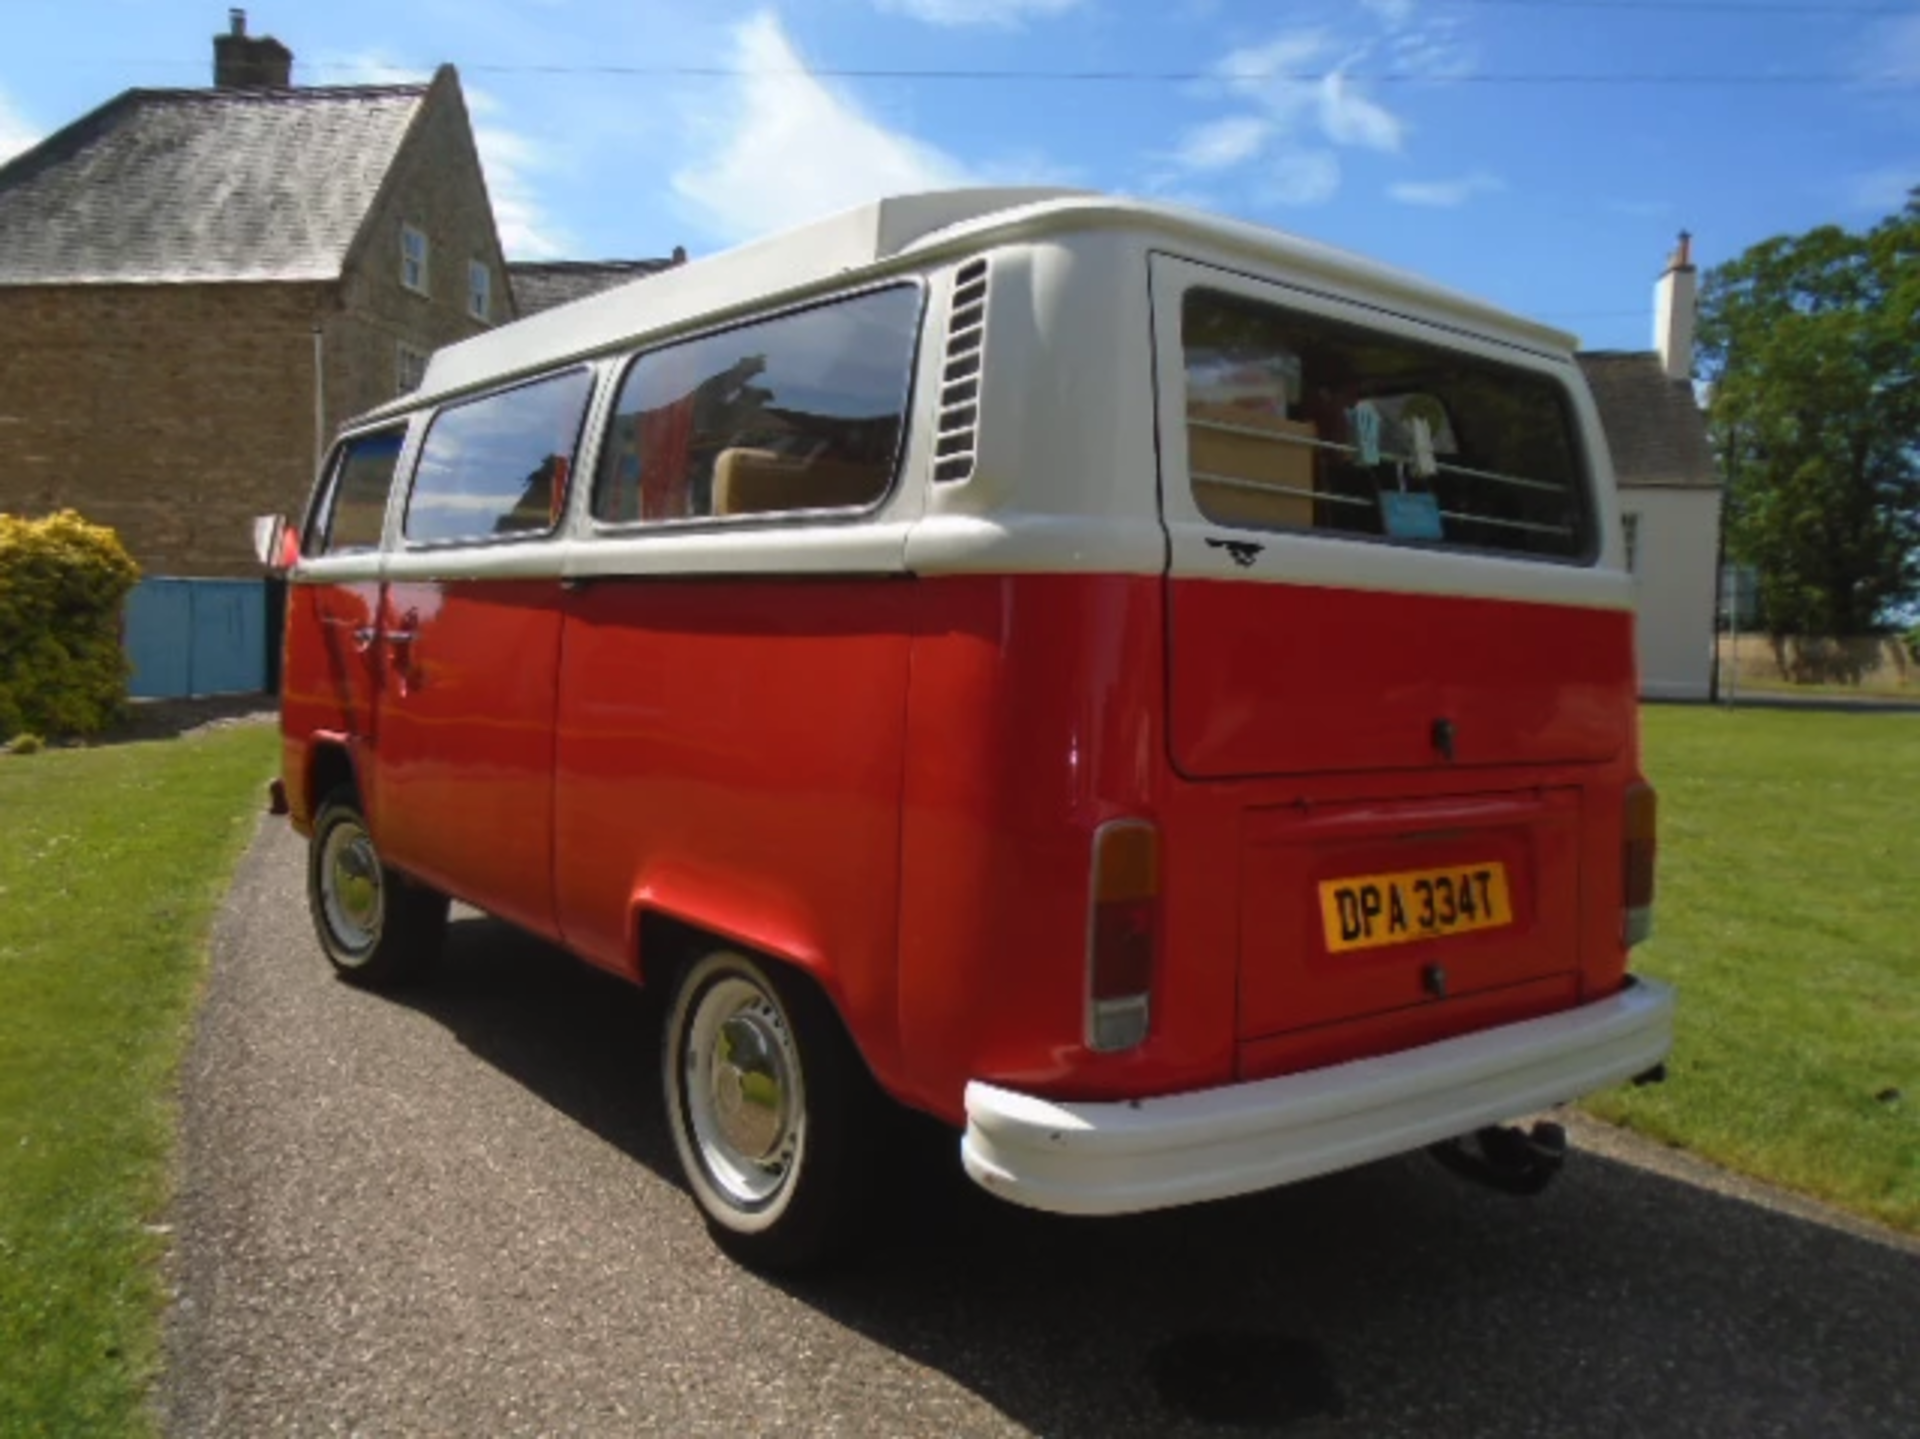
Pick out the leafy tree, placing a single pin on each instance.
(1811, 344)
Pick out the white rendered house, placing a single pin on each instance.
(1669, 489)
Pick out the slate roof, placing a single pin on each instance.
(541, 285)
(202, 185)
(1655, 431)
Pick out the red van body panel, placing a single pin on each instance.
(1036, 716)
(1274, 679)
(729, 755)
(329, 679)
(895, 785)
(1026, 736)
(464, 783)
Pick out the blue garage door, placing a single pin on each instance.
(197, 637)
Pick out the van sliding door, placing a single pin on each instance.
(471, 622)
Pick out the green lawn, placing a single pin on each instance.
(111, 863)
(1789, 918)
(1880, 689)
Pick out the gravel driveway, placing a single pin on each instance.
(455, 1215)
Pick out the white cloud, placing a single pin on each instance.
(1003, 13)
(1309, 102)
(1291, 79)
(16, 135)
(1432, 51)
(1350, 118)
(1281, 75)
(776, 147)
(363, 67)
(511, 160)
(1224, 143)
(1299, 177)
(1446, 194)
(1394, 14)
(1883, 192)
(512, 163)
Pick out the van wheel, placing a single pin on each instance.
(378, 928)
(773, 1114)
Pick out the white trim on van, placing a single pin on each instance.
(905, 234)
(1142, 1154)
(1201, 549)
(1078, 470)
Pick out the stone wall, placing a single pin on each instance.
(172, 413)
(437, 187)
(177, 413)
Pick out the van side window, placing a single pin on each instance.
(800, 412)
(355, 511)
(1299, 422)
(497, 466)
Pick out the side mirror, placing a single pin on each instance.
(275, 543)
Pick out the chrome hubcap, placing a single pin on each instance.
(351, 886)
(744, 1098)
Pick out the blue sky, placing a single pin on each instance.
(1382, 125)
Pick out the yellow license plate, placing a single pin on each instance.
(1370, 910)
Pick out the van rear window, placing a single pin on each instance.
(1298, 422)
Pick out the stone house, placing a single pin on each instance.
(198, 286)
(1669, 489)
(543, 284)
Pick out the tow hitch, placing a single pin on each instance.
(1505, 1159)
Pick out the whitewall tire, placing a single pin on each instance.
(377, 928)
(774, 1117)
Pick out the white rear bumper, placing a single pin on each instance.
(1118, 1158)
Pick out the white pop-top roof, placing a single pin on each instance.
(835, 250)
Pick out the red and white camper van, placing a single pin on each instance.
(1154, 693)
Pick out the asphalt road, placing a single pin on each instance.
(455, 1214)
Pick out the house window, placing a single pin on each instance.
(479, 290)
(1630, 532)
(413, 259)
(409, 368)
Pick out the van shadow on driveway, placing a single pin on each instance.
(1390, 1300)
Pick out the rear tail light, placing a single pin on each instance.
(1123, 933)
(1637, 854)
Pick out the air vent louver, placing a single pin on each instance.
(957, 427)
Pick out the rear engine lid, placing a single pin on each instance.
(1356, 909)
(1282, 679)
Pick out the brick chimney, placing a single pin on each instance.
(1673, 302)
(245, 62)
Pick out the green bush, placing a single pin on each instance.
(26, 744)
(63, 583)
